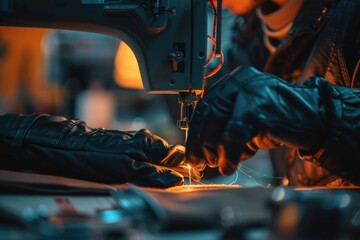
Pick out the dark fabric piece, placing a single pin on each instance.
(60, 146)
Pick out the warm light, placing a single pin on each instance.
(23, 70)
(287, 220)
(127, 72)
(189, 167)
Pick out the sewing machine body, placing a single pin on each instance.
(168, 37)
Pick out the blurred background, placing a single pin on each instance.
(95, 78)
(76, 74)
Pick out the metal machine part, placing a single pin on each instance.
(168, 37)
(187, 103)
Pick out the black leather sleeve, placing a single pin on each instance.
(64, 147)
(340, 153)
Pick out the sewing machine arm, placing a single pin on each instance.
(168, 37)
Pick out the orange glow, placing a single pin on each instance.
(127, 72)
(241, 7)
(22, 68)
(189, 167)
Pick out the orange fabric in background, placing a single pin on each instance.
(24, 66)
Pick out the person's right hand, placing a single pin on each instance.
(64, 147)
(248, 110)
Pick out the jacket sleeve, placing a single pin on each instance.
(65, 147)
(341, 152)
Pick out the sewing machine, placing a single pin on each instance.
(168, 37)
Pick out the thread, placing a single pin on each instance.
(256, 175)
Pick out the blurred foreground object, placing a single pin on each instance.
(87, 209)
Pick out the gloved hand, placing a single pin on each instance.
(59, 146)
(248, 110)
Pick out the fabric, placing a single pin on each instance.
(276, 25)
(64, 147)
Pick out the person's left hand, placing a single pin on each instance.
(248, 110)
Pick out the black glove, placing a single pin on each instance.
(59, 146)
(248, 110)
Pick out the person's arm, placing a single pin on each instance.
(64, 147)
(248, 110)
